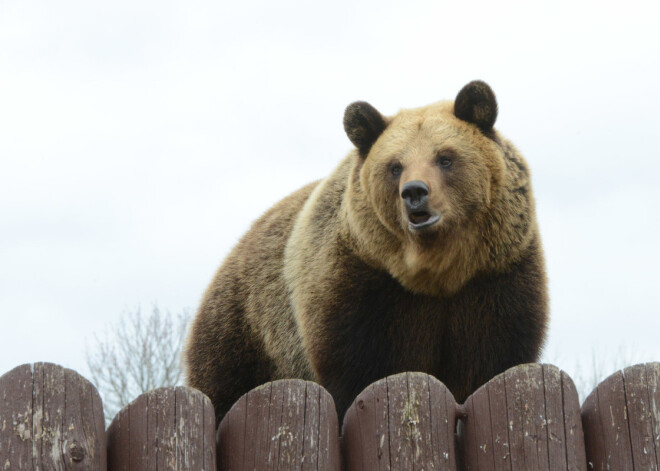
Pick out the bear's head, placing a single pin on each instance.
(436, 195)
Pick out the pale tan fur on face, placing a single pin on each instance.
(476, 231)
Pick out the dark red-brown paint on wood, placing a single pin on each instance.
(620, 420)
(50, 418)
(231, 437)
(477, 445)
(443, 424)
(573, 430)
(606, 434)
(653, 385)
(554, 418)
(518, 421)
(497, 405)
(194, 423)
(365, 430)
(640, 420)
(402, 422)
(169, 428)
(283, 425)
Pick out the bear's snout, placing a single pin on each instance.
(415, 194)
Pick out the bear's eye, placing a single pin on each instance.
(396, 169)
(444, 161)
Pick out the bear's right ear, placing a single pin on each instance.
(363, 124)
(476, 104)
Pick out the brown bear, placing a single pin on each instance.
(420, 252)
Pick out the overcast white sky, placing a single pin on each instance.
(139, 139)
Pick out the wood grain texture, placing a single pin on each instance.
(283, 425)
(51, 418)
(573, 430)
(519, 421)
(620, 420)
(403, 422)
(165, 429)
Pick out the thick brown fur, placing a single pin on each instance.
(333, 284)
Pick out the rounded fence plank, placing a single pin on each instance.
(604, 418)
(283, 425)
(403, 422)
(50, 418)
(640, 418)
(165, 429)
(620, 420)
(518, 421)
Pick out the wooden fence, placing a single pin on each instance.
(527, 418)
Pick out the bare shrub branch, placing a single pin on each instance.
(138, 354)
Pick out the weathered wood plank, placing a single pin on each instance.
(329, 447)
(195, 424)
(51, 418)
(424, 450)
(653, 385)
(161, 428)
(138, 428)
(16, 414)
(499, 422)
(403, 422)
(360, 436)
(311, 440)
(478, 446)
(231, 438)
(443, 424)
(165, 429)
(554, 418)
(640, 420)
(293, 426)
(119, 438)
(276, 409)
(283, 425)
(401, 416)
(82, 421)
(526, 382)
(573, 431)
(517, 422)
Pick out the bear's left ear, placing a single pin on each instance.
(363, 124)
(476, 104)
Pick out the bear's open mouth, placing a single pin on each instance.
(421, 219)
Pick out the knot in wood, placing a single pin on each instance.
(77, 452)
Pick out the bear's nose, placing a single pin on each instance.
(415, 194)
